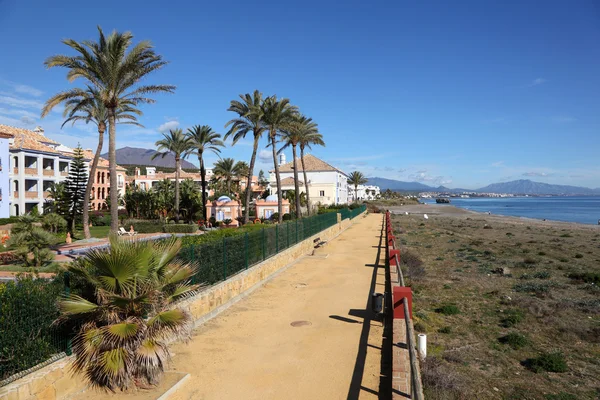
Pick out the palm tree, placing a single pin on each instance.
(113, 68)
(356, 178)
(90, 108)
(309, 136)
(203, 139)
(249, 120)
(227, 169)
(127, 314)
(177, 143)
(29, 239)
(277, 115)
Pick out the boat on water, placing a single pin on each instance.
(442, 200)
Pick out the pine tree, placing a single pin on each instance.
(75, 188)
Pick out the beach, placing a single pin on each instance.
(497, 294)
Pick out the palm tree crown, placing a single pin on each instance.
(250, 119)
(202, 140)
(114, 68)
(356, 178)
(309, 135)
(227, 169)
(277, 116)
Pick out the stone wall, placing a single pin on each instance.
(56, 382)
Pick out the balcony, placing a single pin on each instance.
(64, 173)
(31, 171)
(48, 172)
(15, 171)
(46, 194)
(31, 194)
(15, 195)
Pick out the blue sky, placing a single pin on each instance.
(461, 93)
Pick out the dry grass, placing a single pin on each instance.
(524, 291)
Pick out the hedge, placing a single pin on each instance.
(180, 228)
(144, 226)
(9, 220)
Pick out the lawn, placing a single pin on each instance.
(511, 309)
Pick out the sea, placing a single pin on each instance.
(583, 210)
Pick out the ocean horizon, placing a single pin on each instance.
(579, 209)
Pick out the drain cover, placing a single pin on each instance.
(296, 324)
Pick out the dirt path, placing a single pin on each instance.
(252, 351)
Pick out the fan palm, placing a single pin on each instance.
(250, 118)
(113, 68)
(277, 115)
(89, 108)
(178, 144)
(127, 314)
(309, 135)
(203, 139)
(356, 178)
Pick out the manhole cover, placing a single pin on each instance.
(296, 324)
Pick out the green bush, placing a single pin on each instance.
(143, 226)
(445, 329)
(512, 317)
(542, 275)
(551, 362)
(27, 310)
(514, 340)
(448, 309)
(532, 287)
(274, 216)
(180, 228)
(9, 220)
(587, 277)
(561, 396)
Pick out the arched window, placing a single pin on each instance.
(103, 194)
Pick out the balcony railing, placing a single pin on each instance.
(48, 172)
(31, 171)
(46, 194)
(64, 173)
(15, 195)
(15, 170)
(31, 194)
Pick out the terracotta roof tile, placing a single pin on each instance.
(290, 181)
(30, 140)
(311, 162)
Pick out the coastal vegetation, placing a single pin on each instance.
(504, 315)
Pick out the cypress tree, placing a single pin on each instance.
(75, 188)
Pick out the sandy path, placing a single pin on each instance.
(252, 352)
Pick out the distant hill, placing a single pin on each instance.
(137, 156)
(525, 186)
(522, 186)
(391, 184)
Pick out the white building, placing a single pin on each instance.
(5, 139)
(36, 163)
(364, 192)
(326, 184)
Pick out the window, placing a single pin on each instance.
(322, 193)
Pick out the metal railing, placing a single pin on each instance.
(416, 385)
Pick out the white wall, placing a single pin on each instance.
(5, 178)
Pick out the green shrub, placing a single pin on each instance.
(445, 329)
(448, 309)
(9, 220)
(542, 275)
(274, 216)
(514, 340)
(27, 310)
(180, 228)
(560, 396)
(578, 255)
(144, 226)
(529, 260)
(287, 217)
(587, 277)
(551, 362)
(512, 317)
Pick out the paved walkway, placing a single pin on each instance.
(253, 351)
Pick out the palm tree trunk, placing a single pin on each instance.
(305, 179)
(249, 185)
(203, 184)
(112, 169)
(177, 172)
(277, 179)
(90, 184)
(296, 184)
(356, 193)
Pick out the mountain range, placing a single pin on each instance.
(522, 186)
(137, 156)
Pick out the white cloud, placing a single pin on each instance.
(498, 164)
(538, 174)
(537, 81)
(19, 88)
(167, 126)
(19, 102)
(18, 112)
(27, 120)
(423, 176)
(265, 156)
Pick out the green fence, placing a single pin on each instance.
(351, 214)
(216, 261)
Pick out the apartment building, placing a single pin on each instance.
(101, 185)
(5, 139)
(364, 192)
(326, 183)
(146, 182)
(36, 163)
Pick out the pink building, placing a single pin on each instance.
(224, 208)
(267, 207)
